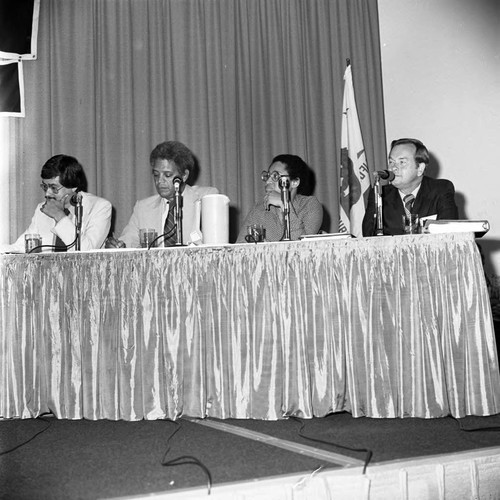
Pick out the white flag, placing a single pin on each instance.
(354, 174)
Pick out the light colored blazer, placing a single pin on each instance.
(96, 221)
(150, 214)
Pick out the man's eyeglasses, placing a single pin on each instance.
(274, 175)
(55, 189)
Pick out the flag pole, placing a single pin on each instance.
(354, 174)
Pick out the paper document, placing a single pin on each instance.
(325, 236)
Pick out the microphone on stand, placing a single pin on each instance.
(76, 201)
(177, 183)
(284, 184)
(385, 175)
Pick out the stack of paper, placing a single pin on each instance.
(479, 227)
(325, 236)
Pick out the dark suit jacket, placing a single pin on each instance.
(435, 197)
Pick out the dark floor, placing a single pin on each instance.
(95, 459)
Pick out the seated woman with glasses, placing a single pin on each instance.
(286, 174)
(54, 220)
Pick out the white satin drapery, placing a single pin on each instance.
(379, 327)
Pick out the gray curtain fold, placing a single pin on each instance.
(238, 81)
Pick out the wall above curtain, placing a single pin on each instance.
(238, 81)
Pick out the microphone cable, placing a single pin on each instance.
(185, 459)
(54, 247)
(283, 235)
(249, 238)
(494, 428)
(163, 235)
(367, 451)
(14, 448)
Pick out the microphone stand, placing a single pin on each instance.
(76, 200)
(178, 213)
(379, 231)
(284, 184)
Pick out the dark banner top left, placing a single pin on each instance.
(19, 29)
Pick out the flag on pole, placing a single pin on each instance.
(354, 175)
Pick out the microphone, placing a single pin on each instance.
(385, 175)
(76, 199)
(284, 184)
(177, 182)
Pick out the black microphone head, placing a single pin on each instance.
(386, 175)
(177, 182)
(284, 182)
(75, 199)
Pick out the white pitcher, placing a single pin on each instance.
(215, 219)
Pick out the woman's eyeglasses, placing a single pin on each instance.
(274, 176)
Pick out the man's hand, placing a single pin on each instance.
(273, 198)
(54, 208)
(112, 242)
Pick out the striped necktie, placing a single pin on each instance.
(169, 231)
(408, 203)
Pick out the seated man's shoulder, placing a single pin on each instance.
(97, 200)
(201, 191)
(150, 201)
(440, 184)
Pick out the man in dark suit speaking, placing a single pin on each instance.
(422, 195)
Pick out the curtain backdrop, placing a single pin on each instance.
(238, 81)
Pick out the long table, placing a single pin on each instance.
(379, 327)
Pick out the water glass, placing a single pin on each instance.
(256, 233)
(32, 241)
(410, 224)
(147, 236)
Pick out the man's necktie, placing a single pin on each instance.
(408, 203)
(60, 246)
(169, 228)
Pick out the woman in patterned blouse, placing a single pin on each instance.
(306, 212)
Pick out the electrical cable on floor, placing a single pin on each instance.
(31, 438)
(185, 459)
(495, 428)
(369, 453)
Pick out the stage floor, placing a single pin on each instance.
(56, 459)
